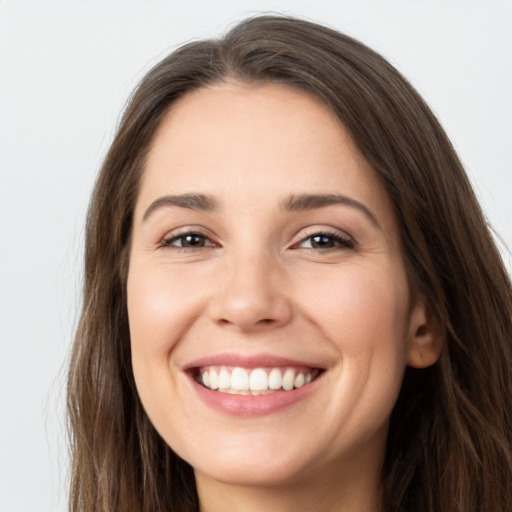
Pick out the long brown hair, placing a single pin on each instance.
(449, 445)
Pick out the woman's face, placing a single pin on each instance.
(265, 261)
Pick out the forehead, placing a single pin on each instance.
(238, 141)
(236, 120)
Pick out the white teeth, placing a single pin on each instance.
(224, 379)
(288, 379)
(299, 380)
(214, 379)
(259, 381)
(239, 379)
(275, 380)
(232, 391)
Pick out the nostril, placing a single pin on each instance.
(247, 311)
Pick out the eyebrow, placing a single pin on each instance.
(293, 203)
(201, 202)
(305, 202)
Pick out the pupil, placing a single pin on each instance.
(322, 241)
(193, 240)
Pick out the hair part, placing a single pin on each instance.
(449, 445)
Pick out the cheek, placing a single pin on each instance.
(364, 315)
(160, 306)
(362, 308)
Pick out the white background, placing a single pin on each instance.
(66, 69)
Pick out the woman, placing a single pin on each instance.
(292, 299)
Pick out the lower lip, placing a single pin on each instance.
(250, 406)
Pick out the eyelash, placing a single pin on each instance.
(341, 242)
(168, 242)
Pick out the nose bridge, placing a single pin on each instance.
(250, 292)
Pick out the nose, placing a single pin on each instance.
(251, 295)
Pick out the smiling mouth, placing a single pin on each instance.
(254, 381)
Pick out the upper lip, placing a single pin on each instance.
(249, 361)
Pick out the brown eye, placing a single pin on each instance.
(189, 241)
(325, 241)
(322, 242)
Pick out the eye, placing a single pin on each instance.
(188, 241)
(326, 241)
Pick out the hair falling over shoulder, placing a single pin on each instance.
(450, 437)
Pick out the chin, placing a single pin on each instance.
(274, 461)
(249, 474)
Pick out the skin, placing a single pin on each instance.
(259, 284)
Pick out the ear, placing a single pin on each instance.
(425, 339)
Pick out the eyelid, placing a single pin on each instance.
(207, 242)
(184, 231)
(347, 241)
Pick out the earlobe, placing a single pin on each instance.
(425, 340)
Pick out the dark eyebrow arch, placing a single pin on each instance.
(201, 202)
(304, 202)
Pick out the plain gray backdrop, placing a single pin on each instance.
(66, 70)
